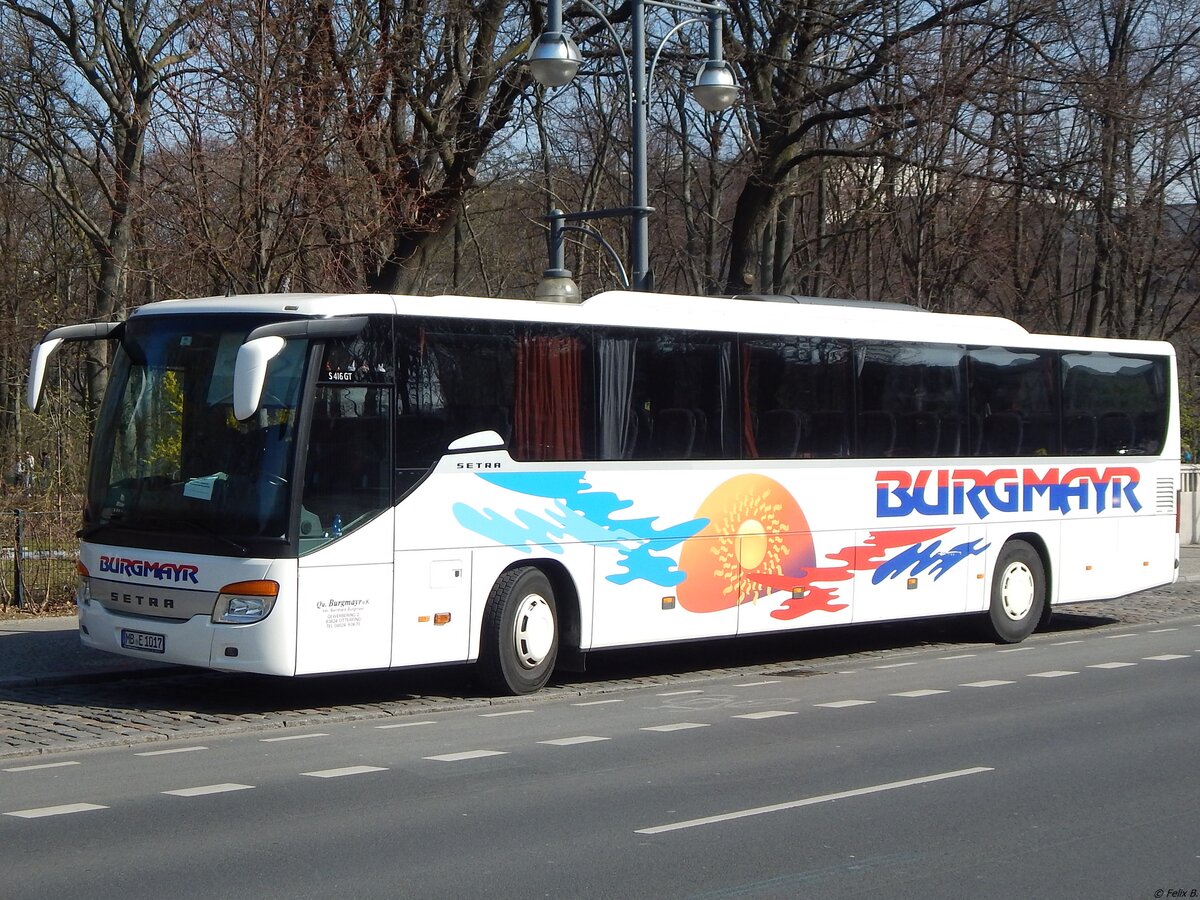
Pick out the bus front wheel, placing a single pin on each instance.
(519, 640)
(1018, 593)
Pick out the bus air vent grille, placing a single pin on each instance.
(1165, 496)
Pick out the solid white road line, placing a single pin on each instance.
(34, 768)
(345, 770)
(45, 811)
(812, 801)
(678, 726)
(571, 741)
(767, 714)
(209, 789)
(466, 754)
(169, 752)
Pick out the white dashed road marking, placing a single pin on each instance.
(465, 755)
(927, 692)
(1111, 665)
(169, 752)
(843, 704)
(45, 811)
(209, 789)
(678, 726)
(508, 712)
(600, 702)
(678, 693)
(985, 684)
(33, 768)
(766, 714)
(571, 741)
(346, 770)
(1166, 657)
(293, 737)
(406, 724)
(1056, 673)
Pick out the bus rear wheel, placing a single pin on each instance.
(519, 638)
(1018, 593)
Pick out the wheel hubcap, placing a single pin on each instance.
(1017, 591)
(533, 630)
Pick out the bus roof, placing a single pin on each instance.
(799, 316)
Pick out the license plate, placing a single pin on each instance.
(143, 640)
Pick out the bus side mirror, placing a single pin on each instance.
(89, 331)
(250, 373)
(37, 371)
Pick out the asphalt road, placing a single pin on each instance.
(1062, 767)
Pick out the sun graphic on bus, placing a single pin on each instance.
(756, 530)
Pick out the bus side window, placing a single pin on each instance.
(1105, 401)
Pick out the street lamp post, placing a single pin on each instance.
(554, 60)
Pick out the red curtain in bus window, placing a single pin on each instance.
(547, 416)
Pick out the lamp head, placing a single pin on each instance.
(715, 88)
(554, 59)
(557, 286)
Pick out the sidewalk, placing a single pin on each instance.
(47, 651)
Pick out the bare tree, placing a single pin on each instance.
(82, 106)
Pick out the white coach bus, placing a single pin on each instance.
(297, 484)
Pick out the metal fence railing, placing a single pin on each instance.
(38, 550)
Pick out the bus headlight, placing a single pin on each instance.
(83, 593)
(244, 602)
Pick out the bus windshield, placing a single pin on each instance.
(170, 458)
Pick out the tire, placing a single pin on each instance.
(519, 636)
(1018, 602)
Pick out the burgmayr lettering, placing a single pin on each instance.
(943, 492)
(144, 568)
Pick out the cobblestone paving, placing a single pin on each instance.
(177, 706)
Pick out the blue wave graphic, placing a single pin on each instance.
(916, 559)
(576, 512)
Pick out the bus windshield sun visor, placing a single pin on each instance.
(55, 338)
(265, 343)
